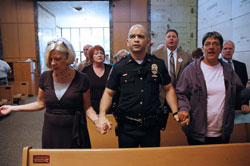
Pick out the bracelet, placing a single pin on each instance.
(175, 113)
(95, 120)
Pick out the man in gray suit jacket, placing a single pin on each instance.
(180, 59)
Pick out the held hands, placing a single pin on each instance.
(184, 117)
(176, 117)
(103, 124)
(245, 108)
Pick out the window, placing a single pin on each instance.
(90, 25)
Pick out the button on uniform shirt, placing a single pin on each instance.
(138, 84)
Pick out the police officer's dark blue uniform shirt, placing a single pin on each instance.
(139, 84)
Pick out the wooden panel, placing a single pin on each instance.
(121, 11)
(23, 72)
(109, 140)
(120, 35)
(139, 11)
(240, 133)
(10, 41)
(25, 11)
(173, 134)
(8, 11)
(7, 92)
(27, 41)
(25, 156)
(21, 88)
(206, 155)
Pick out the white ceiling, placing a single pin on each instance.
(94, 13)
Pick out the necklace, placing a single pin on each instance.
(64, 75)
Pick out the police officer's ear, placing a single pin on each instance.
(149, 43)
(127, 43)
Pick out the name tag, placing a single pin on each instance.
(154, 75)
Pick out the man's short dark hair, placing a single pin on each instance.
(197, 53)
(172, 30)
(215, 35)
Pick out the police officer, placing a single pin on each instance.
(138, 77)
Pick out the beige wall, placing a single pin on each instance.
(17, 30)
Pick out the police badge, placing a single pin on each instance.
(154, 68)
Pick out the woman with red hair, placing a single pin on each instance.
(98, 73)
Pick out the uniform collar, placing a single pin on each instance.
(147, 59)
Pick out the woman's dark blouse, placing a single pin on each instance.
(97, 84)
(65, 121)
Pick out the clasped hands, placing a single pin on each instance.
(184, 118)
(103, 125)
(245, 109)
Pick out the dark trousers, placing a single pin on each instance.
(208, 140)
(131, 136)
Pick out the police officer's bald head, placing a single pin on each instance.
(138, 25)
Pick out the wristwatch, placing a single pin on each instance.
(175, 113)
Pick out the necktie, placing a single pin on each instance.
(230, 63)
(172, 68)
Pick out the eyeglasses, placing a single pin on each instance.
(215, 44)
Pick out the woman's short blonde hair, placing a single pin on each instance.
(62, 45)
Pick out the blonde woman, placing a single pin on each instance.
(64, 93)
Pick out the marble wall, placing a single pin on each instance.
(231, 18)
(174, 14)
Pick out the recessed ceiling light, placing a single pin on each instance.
(78, 9)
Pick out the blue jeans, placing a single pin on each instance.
(4, 81)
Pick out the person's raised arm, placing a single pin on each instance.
(34, 106)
